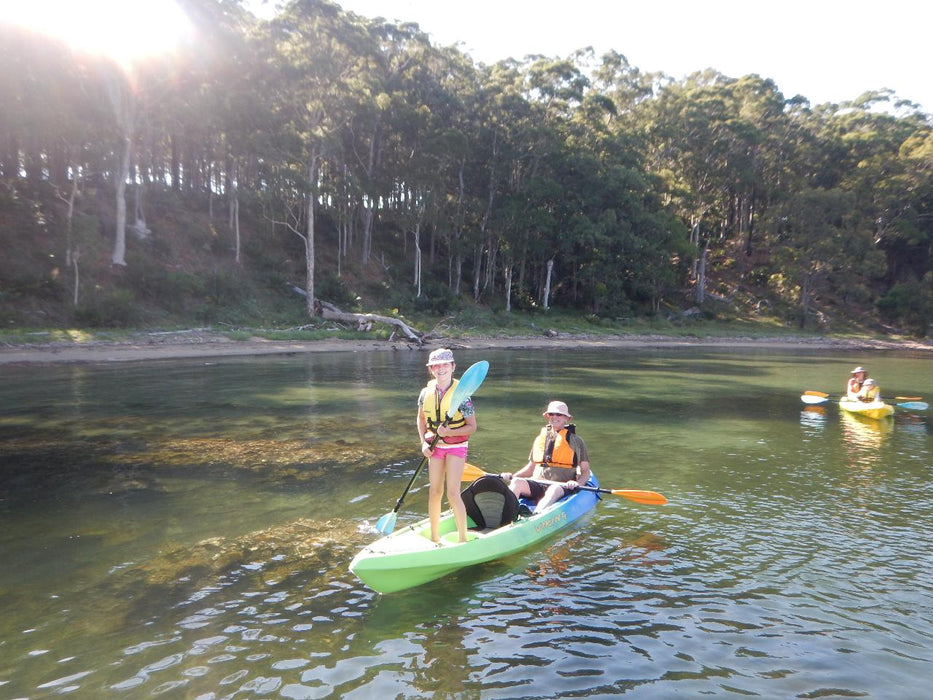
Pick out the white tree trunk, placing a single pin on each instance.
(236, 226)
(417, 261)
(309, 235)
(508, 289)
(75, 254)
(547, 285)
(330, 311)
(119, 246)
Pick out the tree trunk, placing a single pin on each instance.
(508, 289)
(477, 270)
(699, 292)
(805, 300)
(235, 216)
(119, 246)
(176, 164)
(331, 312)
(547, 285)
(417, 234)
(309, 234)
(75, 254)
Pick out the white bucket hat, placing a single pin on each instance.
(557, 407)
(440, 356)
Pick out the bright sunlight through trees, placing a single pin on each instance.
(124, 30)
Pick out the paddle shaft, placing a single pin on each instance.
(911, 403)
(424, 460)
(471, 471)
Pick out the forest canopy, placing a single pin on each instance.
(354, 160)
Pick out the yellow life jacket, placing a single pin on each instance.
(436, 414)
(553, 456)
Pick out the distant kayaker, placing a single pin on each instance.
(857, 378)
(448, 455)
(557, 455)
(869, 392)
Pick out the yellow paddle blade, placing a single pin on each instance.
(908, 398)
(649, 498)
(816, 393)
(471, 472)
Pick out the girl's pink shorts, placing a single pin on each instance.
(441, 451)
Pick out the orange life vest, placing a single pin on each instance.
(553, 456)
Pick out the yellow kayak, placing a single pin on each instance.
(871, 409)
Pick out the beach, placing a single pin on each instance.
(200, 344)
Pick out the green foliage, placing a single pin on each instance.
(331, 288)
(910, 304)
(593, 180)
(117, 308)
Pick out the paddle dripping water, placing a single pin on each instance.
(183, 530)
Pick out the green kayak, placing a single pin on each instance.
(872, 409)
(407, 557)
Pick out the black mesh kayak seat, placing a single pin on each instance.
(489, 503)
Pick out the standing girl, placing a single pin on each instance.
(449, 452)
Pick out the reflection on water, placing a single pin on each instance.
(184, 530)
(813, 421)
(864, 437)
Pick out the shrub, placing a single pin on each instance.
(113, 309)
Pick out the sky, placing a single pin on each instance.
(825, 50)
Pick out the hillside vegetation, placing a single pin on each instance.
(273, 174)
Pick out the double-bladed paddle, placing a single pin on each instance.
(911, 403)
(468, 384)
(650, 498)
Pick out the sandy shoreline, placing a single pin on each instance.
(182, 346)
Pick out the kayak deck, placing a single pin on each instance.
(408, 558)
(873, 409)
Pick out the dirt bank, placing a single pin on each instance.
(170, 346)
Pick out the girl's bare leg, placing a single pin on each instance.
(454, 475)
(435, 495)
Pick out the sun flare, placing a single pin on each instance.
(124, 30)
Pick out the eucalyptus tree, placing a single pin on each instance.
(632, 260)
(381, 105)
(501, 113)
(314, 58)
(54, 126)
(812, 231)
(689, 133)
(890, 178)
(551, 89)
(457, 141)
(711, 140)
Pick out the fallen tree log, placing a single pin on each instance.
(363, 322)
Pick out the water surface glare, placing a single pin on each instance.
(183, 529)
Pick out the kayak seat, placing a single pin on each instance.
(489, 503)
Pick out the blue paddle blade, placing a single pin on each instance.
(471, 380)
(386, 524)
(914, 405)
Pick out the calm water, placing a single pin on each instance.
(183, 530)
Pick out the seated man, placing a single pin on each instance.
(857, 378)
(558, 462)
